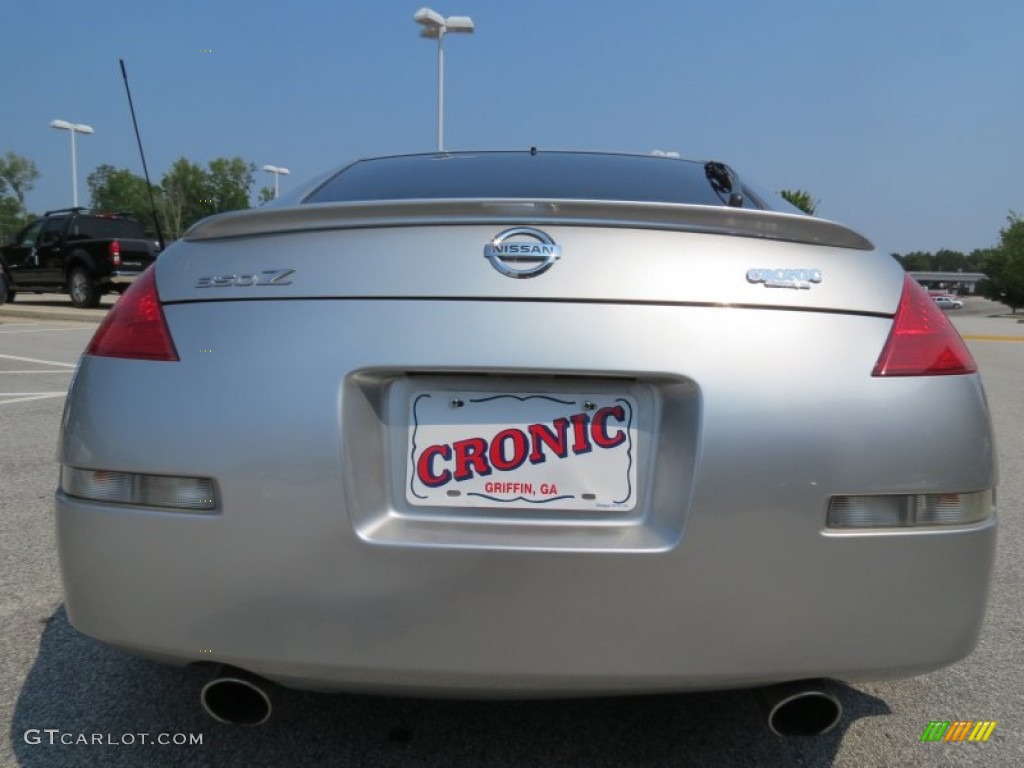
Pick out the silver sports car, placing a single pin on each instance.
(523, 424)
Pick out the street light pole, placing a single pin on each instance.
(437, 26)
(278, 172)
(72, 128)
(440, 89)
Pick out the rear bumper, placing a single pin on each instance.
(315, 573)
(738, 603)
(122, 278)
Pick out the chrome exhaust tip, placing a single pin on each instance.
(803, 708)
(236, 698)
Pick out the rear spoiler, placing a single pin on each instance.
(706, 219)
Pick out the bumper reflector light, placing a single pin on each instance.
(194, 494)
(909, 511)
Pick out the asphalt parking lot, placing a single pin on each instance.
(58, 685)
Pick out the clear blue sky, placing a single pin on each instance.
(905, 117)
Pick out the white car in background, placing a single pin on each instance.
(947, 302)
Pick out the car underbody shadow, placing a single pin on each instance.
(86, 704)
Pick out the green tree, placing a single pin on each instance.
(976, 258)
(915, 261)
(118, 189)
(186, 197)
(802, 200)
(12, 217)
(1004, 265)
(18, 175)
(191, 192)
(265, 195)
(946, 260)
(229, 183)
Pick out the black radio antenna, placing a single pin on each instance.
(145, 170)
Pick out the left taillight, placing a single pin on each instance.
(135, 327)
(115, 253)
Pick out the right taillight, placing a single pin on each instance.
(922, 342)
(135, 327)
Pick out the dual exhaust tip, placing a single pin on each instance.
(805, 708)
(236, 698)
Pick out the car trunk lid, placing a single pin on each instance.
(610, 252)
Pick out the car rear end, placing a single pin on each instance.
(120, 247)
(336, 445)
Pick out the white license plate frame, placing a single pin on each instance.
(550, 451)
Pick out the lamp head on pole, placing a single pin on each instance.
(76, 127)
(435, 25)
(459, 24)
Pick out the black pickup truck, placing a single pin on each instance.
(76, 251)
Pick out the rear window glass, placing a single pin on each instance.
(545, 175)
(88, 228)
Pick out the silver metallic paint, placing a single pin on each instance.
(599, 213)
(612, 265)
(317, 573)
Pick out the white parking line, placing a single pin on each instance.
(24, 394)
(34, 360)
(34, 396)
(40, 330)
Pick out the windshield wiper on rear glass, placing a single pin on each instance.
(724, 181)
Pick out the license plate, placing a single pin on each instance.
(501, 449)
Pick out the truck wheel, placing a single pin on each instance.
(83, 289)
